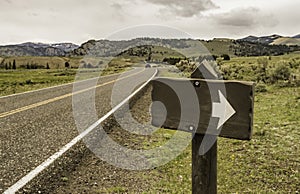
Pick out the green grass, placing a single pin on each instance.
(22, 80)
(212, 47)
(250, 68)
(268, 163)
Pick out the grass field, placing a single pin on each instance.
(32, 73)
(269, 163)
(16, 81)
(27, 62)
(22, 80)
(250, 68)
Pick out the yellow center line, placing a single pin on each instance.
(5, 114)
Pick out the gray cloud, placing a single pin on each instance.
(187, 8)
(118, 12)
(245, 17)
(80, 20)
(117, 6)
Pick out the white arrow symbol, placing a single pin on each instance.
(222, 110)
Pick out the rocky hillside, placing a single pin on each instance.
(105, 48)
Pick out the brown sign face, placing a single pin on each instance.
(215, 107)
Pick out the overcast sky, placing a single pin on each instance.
(80, 20)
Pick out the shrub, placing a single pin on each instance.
(294, 64)
(261, 88)
(226, 57)
(28, 82)
(282, 72)
(67, 64)
(171, 60)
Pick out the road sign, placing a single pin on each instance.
(222, 108)
(224, 111)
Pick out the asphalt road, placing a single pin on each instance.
(35, 125)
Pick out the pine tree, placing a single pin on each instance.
(14, 66)
(67, 64)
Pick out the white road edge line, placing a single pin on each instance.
(31, 175)
(51, 87)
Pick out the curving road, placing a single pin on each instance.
(35, 125)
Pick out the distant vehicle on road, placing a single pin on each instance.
(147, 65)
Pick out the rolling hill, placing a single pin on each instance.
(286, 41)
(249, 46)
(187, 47)
(274, 40)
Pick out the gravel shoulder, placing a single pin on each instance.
(93, 175)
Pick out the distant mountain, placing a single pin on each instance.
(15, 50)
(297, 36)
(63, 46)
(262, 39)
(67, 47)
(37, 49)
(274, 40)
(249, 46)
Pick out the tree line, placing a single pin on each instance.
(9, 65)
(12, 65)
